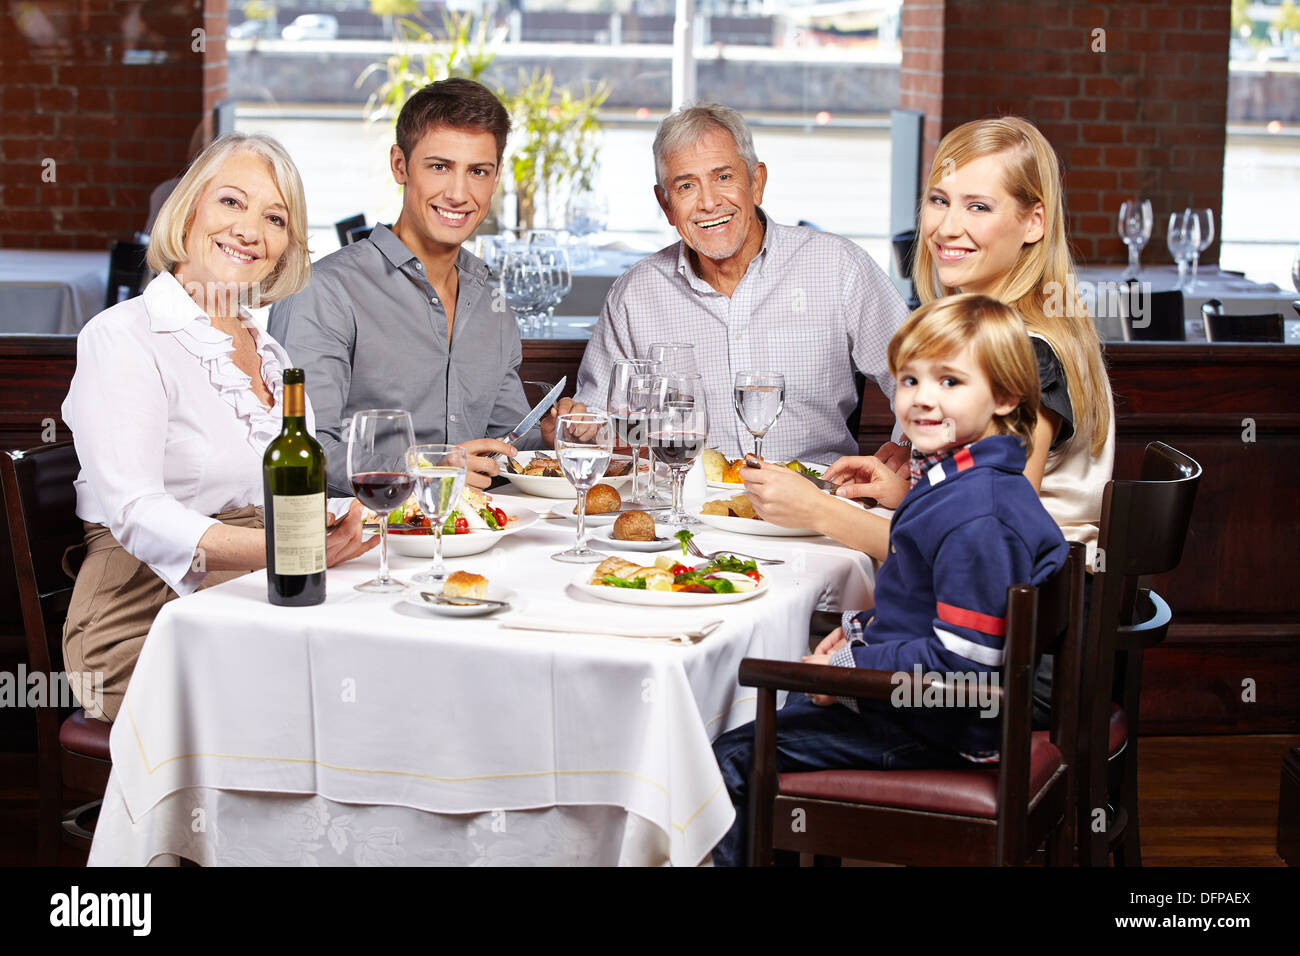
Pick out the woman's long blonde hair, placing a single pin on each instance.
(1041, 285)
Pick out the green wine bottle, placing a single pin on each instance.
(293, 482)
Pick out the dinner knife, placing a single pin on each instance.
(535, 416)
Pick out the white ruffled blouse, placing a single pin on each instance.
(166, 428)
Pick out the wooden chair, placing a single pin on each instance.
(72, 749)
(345, 226)
(985, 815)
(1267, 327)
(1161, 315)
(1143, 527)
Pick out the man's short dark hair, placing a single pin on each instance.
(456, 103)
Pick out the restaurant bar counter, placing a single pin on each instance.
(1231, 407)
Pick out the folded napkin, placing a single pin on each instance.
(571, 619)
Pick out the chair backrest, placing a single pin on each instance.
(40, 503)
(1151, 316)
(127, 271)
(1047, 619)
(359, 233)
(1267, 327)
(345, 226)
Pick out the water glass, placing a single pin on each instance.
(759, 398)
(583, 443)
(1183, 238)
(627, 417)
(1205, 224)
(1135, 221)
(438, 471)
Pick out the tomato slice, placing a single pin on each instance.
(462, 526)
(677, 569)
(753, 574)
(502, 518)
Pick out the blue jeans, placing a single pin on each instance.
(808, 738)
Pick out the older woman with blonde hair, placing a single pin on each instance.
(176, 394)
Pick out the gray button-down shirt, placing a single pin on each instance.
(812, 305)
(370, 332)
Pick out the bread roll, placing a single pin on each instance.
(634, 526)
(602, 500)
(465, 584)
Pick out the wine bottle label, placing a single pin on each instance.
(299, 529)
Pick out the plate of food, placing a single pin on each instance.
(538, 473)
(671, 583)
(604, 505)
(635, 531)
(464, 594)
(737, 514)
(724, 474)
(473, 527)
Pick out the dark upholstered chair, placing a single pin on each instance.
(1143, 527)
(127, 272)
(1152, 316)
(72, 749)
(345, 226)
(1267, 327)
(984, 815)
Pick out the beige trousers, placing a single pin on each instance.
(114, 601)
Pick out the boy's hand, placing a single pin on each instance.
(859, 476)
(894, 457)
(831, 643)
(821, 700)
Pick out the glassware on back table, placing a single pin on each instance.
(377, 444)
(1205, 225)
(679, 430)
(1183, 237)
(438, 472)
(1295, 269)
(628, 419)
(583, 443)
(759, 398)
(523, 282)
(558, 278)
(1135, 221)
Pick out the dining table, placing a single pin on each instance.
(374, 730)
(50, 291)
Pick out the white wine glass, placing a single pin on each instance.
(1182, 238)
(679, 430)
(438, 472)
(1135, 222)
(583, 443)
(377, 444)
(759, 399)
(627, 416)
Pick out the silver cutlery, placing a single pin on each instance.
(436, 598)
(695, 550)
(822, 483)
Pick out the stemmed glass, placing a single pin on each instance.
(438, 471)
(523, 282)
(679, 430)
(583, 443)
(557, 277)
(759, 398)
(1183, 237)
(1205, 224)
(671, 357)
(1295, 269)
(641, 400)
(377, 444)
(1135, 221)
(627, 417)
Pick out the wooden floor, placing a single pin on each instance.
(1205, 801)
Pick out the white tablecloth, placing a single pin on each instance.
(50, 291)
(363, 702)
(1239, 295)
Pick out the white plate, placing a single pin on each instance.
(460, 545)
(737, 488)
(614, 544)
(661, 598)
(753, 526)
(565, 510)
(494, 593)
(556, 487)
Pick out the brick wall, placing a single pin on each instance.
(97, 109)
(1138, 108)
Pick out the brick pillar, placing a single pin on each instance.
(1132, 94)
(99, 104)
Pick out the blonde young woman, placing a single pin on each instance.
(991, 220)
(174, 399)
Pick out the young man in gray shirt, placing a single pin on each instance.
(407, 318)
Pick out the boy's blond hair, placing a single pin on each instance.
(998, 342)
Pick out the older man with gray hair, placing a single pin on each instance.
(750, 294)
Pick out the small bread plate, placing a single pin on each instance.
(737, 486)
(421, 545)
(568, 511)
(661, 542)
(582, 582)
(412, 597)
(753, 526)
(543, 487)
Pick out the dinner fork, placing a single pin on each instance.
(695, 550)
